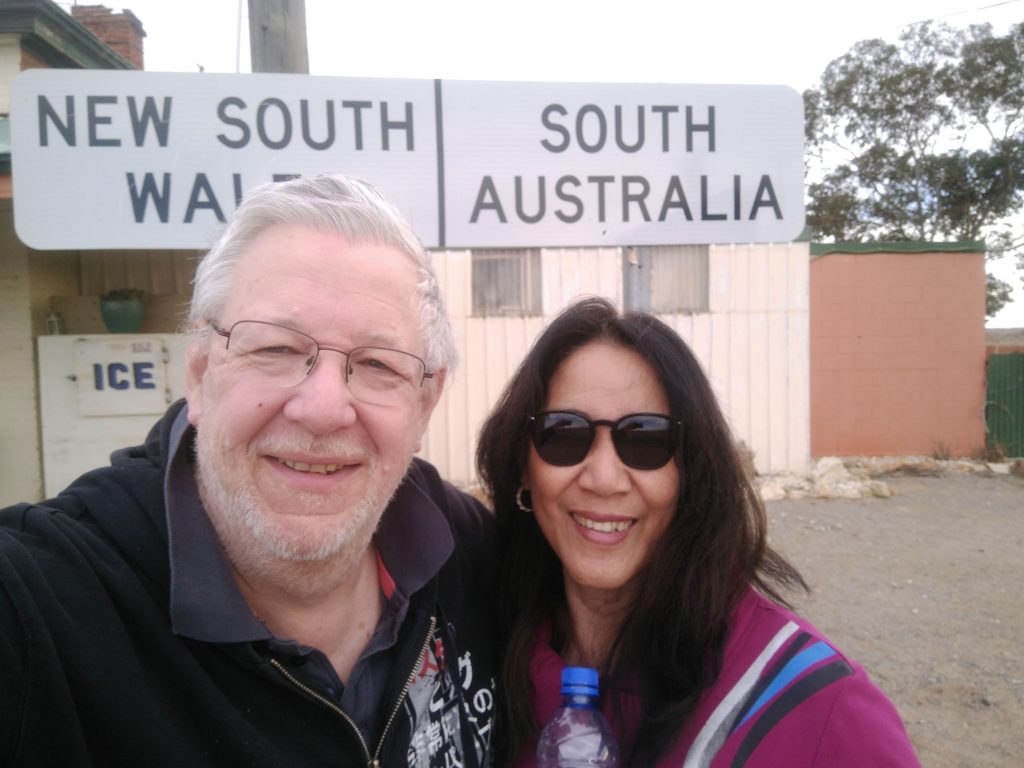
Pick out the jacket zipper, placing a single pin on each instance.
(405, 689)
(372, 761)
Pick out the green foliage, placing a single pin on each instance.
(923, 140)
(997, 294)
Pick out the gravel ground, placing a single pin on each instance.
(923, 589)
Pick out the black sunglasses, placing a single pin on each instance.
(642, 440)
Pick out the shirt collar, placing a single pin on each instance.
(205, 602)
(413, 540)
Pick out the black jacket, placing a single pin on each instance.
(91, 673)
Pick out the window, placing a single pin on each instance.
(666, 278)
(679, 278)
(506, 281)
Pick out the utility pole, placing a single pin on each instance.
(277, 36)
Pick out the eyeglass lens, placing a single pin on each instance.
(286, 356)
(641, 440)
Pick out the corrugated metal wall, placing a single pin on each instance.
(1004, 404)
(753, 343)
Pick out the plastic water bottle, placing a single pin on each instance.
(578, 736)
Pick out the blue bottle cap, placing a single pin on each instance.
(579, 681)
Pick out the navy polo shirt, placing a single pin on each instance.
(413, 541)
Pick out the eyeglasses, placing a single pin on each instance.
(284, 356)
(642, 440)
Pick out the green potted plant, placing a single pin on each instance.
(121, 309)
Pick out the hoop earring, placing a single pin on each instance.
(521, 503)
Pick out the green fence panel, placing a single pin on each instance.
(1004, 406)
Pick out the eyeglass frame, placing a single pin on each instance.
(674, 428)
(226, 333)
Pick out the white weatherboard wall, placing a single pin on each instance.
(19, 439)
(753, 344)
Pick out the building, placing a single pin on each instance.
(897, 349)
(38, 33)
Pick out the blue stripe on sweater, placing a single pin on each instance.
(797, 665)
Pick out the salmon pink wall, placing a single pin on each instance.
(897, 353)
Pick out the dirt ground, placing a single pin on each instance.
(924, 589)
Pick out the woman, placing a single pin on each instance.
(634, 542)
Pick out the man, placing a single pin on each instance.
(271, 579)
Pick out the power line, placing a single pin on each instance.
(968, 10)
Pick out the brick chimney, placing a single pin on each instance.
(121, 31)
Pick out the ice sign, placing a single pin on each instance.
(121, 378)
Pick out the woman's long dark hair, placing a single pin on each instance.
(668, 648)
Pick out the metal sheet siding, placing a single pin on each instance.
(1004, 403)
(753, 344)
(752, 341)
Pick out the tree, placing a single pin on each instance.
(922, 141)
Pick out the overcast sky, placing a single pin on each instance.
(788, 42)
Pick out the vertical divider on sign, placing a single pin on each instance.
(439, 132)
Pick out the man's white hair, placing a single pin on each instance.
(325, 203)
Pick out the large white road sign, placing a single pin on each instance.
(113, 159)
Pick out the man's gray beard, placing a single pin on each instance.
(255, 546)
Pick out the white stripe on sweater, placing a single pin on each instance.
(712, 735)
